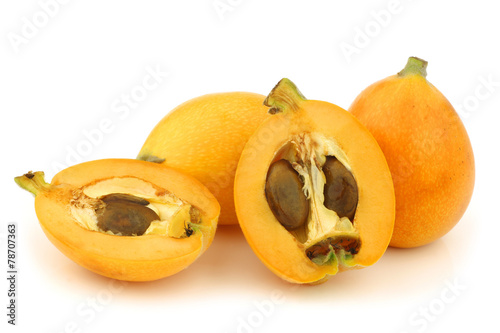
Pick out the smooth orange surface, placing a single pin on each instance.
(204, 138)
(271, 242)
(131, 258)
(428, 152)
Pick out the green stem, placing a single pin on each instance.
(285, 95)
(33, 182)
(414, 66)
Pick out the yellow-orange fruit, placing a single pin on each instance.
(81, 200)
(204, 138)
(313, 191)
(427, 149)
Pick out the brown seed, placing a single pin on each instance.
(124, 214)
(341, 190)
(124, 197)
(285, 196)
(323, 248)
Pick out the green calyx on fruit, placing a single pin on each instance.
(33, 182)
(414, 66)
(285, 95)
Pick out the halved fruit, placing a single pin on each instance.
(125, 219)
(313, 192)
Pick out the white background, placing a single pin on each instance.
(67, 75)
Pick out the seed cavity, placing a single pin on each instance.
(129, 206)
(124, 214)
(285, 195)
(341, 190)
(313, 194)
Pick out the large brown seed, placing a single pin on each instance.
(285, 196)
(124, 214)
(341, 190)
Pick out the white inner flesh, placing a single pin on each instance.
(173, 212)
(307, 153)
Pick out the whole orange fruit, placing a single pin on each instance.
(428, 151)
(204, 138)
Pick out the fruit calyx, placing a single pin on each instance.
(33, 182)
(284, 96)
(150, 158)
(414, 66)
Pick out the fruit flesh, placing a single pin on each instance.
(427, 149)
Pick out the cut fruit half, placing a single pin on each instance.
(125, 219)
(313, 192)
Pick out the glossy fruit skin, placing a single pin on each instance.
(270, 241)
(428, 151)
(204, 138)
(129, 258)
